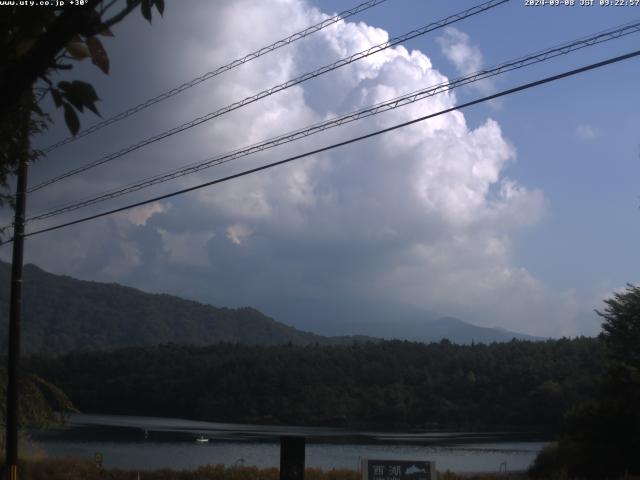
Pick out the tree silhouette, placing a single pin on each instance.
(601, 437)
(36, 43)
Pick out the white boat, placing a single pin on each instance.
(202, 439)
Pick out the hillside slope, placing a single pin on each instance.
(62, 314)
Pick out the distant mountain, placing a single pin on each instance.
(435, 329)
(62, 314)
(464, 333)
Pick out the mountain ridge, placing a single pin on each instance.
(62, 314)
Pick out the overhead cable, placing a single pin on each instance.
(503, 93)
(392, 104)
(278, 88)
(214, 73)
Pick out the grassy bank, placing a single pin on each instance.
(73, 469)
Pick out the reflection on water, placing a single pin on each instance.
(148, 443)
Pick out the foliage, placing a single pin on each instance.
(548, 462)
(621, 335)
(42, 404)
(62, 314)
(37, 43)
(75, 469)
(601, 437)
(390, 384)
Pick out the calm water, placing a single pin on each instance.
(147, 443)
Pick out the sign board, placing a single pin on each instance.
(292, 458)
(398, 469)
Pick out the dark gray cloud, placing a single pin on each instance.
(418, 222)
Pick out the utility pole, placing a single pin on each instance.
(292, 457)
(14, 324)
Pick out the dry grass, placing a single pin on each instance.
(481, 476)
(39, 468)
(75, 469)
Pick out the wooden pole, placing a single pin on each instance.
(14, 325)
(292, 458)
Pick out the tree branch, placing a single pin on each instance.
(120, 16)
(20, 77)
(107, 6)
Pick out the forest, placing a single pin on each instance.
(518, 385)
(585, 391)
(64, 314)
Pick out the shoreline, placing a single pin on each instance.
(168, 429)
(47, 468)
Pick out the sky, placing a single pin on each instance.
(520, 213)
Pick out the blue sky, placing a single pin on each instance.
(578, 140)
(521, 213)
(592, 226)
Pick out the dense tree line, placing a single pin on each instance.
(600, 438)
(42, 404)
(391, 384)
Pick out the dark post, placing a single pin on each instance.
(14, 325)
(292, 458)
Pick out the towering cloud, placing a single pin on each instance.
(417, 219)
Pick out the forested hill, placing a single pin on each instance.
(389, 384)
(62, 314)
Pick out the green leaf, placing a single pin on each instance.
(160, 6)
(88, 92)
(106, 32)
(23, 46)
(57, 98)
(71, 118)
(36, 109)
(93, 108)
(78, 50)
(145, 8)
(85, 91)
(71, 96)
(80, 94)
(98, 53)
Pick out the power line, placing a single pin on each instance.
(398, 102)
(224, 68)
(503, 93)
(278, 88)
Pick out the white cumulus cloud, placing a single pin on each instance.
(457, 47)
(421, 217)
(586, 132)
(466, 57)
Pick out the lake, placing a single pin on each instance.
(144, 443)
